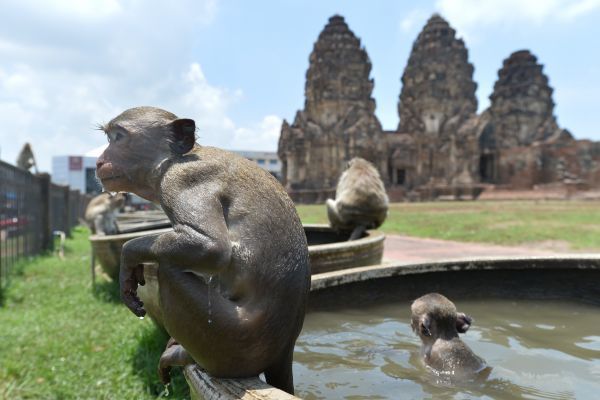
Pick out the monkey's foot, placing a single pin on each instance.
(173, 356)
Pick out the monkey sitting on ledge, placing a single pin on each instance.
(234, 273)
(361, 202)
(100, 214)
(437, 323)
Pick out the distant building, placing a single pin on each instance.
(265, 159)
(77, 171)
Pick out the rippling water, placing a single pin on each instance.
(538, 349)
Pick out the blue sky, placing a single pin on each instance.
(238, 67)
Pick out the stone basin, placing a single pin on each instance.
(545, 280)
(329, 250)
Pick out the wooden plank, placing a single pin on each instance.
(203, 386)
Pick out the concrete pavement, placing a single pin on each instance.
(411, 249)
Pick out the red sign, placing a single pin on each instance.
(75, 163)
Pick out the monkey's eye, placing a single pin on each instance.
(114, 136)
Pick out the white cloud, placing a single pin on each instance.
(262, 136)
(579, 8)
(467, 14)
(65, 68)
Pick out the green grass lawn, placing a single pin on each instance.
(575, 224)
(59, 339)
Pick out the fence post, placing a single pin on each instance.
(65, 212)
(46, 222)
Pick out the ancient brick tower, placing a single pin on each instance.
(437, 98)
(521, 108)
(338, 121)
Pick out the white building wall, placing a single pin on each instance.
(67, 170)
(266, 159)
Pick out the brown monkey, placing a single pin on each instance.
(26, 159)
(234, 273)
(360, 199)
(100, 214)
(436, 321)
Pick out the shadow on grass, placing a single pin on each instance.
(145, 364)
(107, 291)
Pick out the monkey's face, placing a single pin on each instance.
(139, 140)
(117, 201)
(117, 166)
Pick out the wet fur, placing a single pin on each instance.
(437, 323)
(234, 273)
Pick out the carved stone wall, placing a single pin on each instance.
(338, 121)
(437, 98)
(522, 109)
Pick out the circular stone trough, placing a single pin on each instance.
(549, 279)
(328, 250)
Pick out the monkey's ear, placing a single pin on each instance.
(463, 322)
(425, 326)
(183, 135)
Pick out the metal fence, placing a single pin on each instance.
(31, 209)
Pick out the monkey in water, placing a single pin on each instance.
(437, 323)
(234, 273)
(101, 213)
(361, 202)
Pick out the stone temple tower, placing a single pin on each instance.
(522, 109)
(437, 98)
(519, 129)
(338, 121)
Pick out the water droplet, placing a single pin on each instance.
(209, 288)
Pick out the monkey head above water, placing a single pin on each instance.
(234, 272)
(360, 199)
(436, 321)
(100, 214)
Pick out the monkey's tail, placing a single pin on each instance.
(357, 232)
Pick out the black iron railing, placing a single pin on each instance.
(31, 209)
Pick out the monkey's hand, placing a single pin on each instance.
(130, 276)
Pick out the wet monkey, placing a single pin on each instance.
(437, 323)
(234, 273)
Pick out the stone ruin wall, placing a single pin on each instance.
(441, 147)
(521, 140)
(437, 98)
(338, 121)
